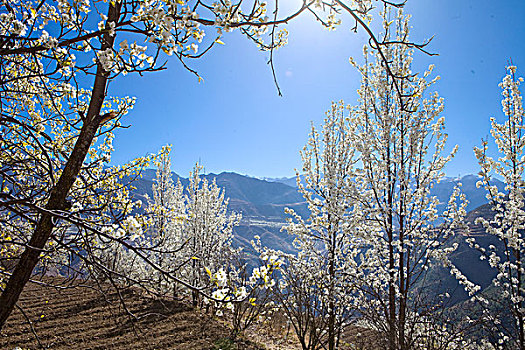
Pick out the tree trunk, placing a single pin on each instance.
(391, 260)
(57, 198)
(521, 325)
(331, 272)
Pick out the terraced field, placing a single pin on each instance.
(83, 318)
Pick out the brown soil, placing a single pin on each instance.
(85, 318)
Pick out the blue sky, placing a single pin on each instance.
(235, 121)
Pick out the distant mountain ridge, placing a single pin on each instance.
(290, 181)
(262, 201)
(442, 190)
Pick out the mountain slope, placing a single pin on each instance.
(83, 317)
(467, 259)
(261, 203)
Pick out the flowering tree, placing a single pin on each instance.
(507, 225)
(373, 230)
(315, 289)
(400, 160)
(49, 50)
(188, 232)
(38, 135)
(247, 295)
(208, 229)
(159, 236)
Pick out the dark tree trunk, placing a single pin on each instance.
(331, 274)
(391, 261)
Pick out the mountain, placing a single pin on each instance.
(290, 181)
(475, 196)
(466, 259)
(261, 203)
(442, 190)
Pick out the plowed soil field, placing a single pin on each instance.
(85, 318)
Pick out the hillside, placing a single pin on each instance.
(83, 318)
(467, 259)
